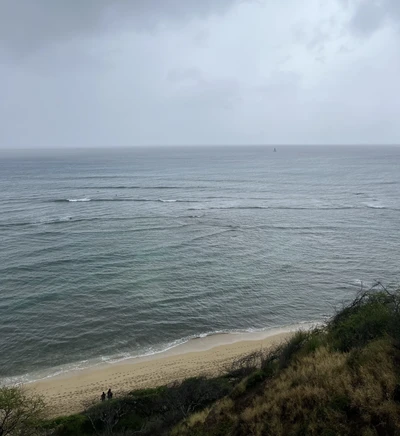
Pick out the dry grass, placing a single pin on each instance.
(323, 393)
(194, 420)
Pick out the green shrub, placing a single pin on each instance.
(255, 378)
(292, 346)
(77, 425)
(372, 318)
(20, 412)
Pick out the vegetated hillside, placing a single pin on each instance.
(341, 379)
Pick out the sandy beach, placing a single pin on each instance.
(68, 393)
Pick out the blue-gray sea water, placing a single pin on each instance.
(111, 253)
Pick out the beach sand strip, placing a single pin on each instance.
(71, 392)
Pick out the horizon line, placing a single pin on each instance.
(104, 147)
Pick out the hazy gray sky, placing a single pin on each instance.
(83, 73)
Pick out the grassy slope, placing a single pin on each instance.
(341, 379)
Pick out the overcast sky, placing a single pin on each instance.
(87, 73)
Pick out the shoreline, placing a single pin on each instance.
(199, 342)
(68, 392)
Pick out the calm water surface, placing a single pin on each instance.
(114, 253)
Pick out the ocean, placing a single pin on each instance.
(113, 253)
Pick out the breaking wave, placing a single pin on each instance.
(78, 200)
(98, 200)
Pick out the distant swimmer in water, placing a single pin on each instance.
(103, 396)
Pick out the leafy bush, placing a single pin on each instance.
(20, 413)
(255, 379)
(372, 315)
(78, 425)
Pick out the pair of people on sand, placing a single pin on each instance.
(109, 395)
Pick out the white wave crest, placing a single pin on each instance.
(375, 205)
(76, 200)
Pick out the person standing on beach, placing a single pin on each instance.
(109, 394)
(103, 396)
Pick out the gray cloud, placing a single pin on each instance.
(104, 73)
(371, 15)
(182, 75)
(26, 25)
